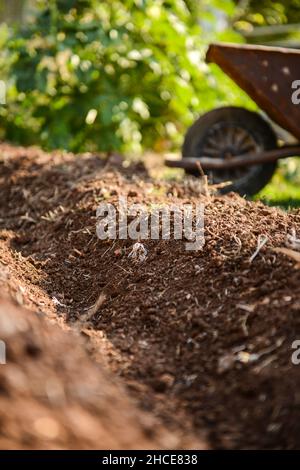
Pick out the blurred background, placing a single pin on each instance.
(130, 76)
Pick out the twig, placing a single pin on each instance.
(292, 241)
(203, 179)
(200, 169)
(261, 241)
(94, 308)
(295, 255)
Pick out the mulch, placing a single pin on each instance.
(201, 341)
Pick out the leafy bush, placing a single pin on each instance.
(109, 75)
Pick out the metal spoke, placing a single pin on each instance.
(210, 152)
(213, 143)
(228, 140)
(247, 149)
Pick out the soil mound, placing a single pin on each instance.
(201, 340)
(53, 396)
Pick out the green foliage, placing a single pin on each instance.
(271, 12)
(284, 189)
(269, 22)
(109, 75)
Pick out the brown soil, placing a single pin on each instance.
(201, 340)
(52, 396)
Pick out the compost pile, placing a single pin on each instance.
(196, 343)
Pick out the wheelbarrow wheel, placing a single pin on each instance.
(228, 132)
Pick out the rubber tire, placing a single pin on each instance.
(260, 130)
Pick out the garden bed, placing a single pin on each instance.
(201, 341)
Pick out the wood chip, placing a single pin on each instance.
(295, 255)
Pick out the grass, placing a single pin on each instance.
(284, 189)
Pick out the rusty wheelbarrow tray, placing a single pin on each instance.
(267, 75)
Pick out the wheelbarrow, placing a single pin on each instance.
(239, 146)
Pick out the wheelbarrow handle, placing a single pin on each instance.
(207, 163)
